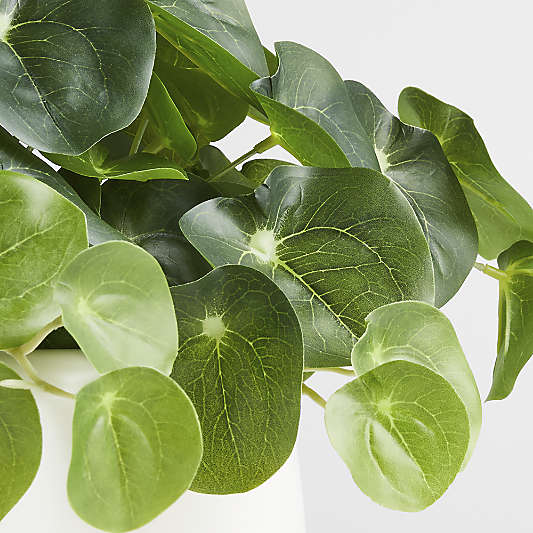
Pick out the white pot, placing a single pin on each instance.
(274, 507)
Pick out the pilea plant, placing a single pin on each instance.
(206, 295)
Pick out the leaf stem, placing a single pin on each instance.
(155, 147)
(141, 129)
(335, 369)
(491, 271)
(310, 393)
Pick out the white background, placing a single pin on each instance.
(476, 55)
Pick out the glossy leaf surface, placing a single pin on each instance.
(402, 431)
(240, 361)
(41, 233)
(116, 303)
(136, 448)
(502, 216)
(258, 170)
(338, 242)
(73, 72)
(20, 442)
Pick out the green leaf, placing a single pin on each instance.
(414, 160)
(419, 333)
(515, 320)
(402, 431)
(338, 242)
(502, 216)
(219, 37)
(14, 157)
(208, 109)
(240, 361)
(73, 71)
(42, 232)
(311, 113)
(20, 443)
(258, 170)
(116, 303)
(136, 448)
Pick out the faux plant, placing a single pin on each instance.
(204, 294)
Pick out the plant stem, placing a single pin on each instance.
(309, 392)
(143, 124)
(491, 271)
(336, 370)
(155, 147)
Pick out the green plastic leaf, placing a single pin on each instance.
(502, 216)
(402, 431)
(217, 36)
(240, 361)
(414, 160)
(20, 441)
(136, 448)
(311, 113)
(419, 333)
(338, 242)
(41, 233)
(515, 320)
(74, 71)
(116, 303)
(14, 157)
(258, 170)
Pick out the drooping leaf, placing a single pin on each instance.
(419, 333)
(502, 216)
(116, 303)
(311, 113)
(258, 170)
(136, 448)
(41, 233)
(403, 432)
(414, 160)
(240, 361)
(217, 36)
(338, 242)
(515, 320)
(20, 441)
(14, 157)
(73, 71)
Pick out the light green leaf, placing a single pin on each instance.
(414, 160)
(258, 170)
(136, 448)
(240, 361)
(73, 71)
(116, 303)
(402, 431)
(41, 233)
(502, 216)
(311, 113)
(217, 36)
(515, 320)
(14, 157)
(338, 242)
(20, 441)
(419, 333)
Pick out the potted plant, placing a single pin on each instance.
(203, 296)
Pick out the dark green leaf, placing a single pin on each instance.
(73, 71)
(20, 441)
(89, 189)
(258, 170)
(240, 361)
(136, 448)
(116, 303)
(502, 216)
(41, 233)
(402, 431)
(338, 242)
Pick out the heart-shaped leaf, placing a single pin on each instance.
(240, 361)
(136, 448)
(403, 432)
(20, 443)
(338, 242)
(515, 340)
(502, 216)
(258, 170)
(14, 157)
(42, 232)
(219, 37)
(116, 303)
(60, 101)
(419, 333)
(414, 160)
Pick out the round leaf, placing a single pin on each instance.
(258, 170)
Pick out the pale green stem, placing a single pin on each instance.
(155, 147)
(491, 271)
(143, 124)
(309, 392)
(336, 370)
